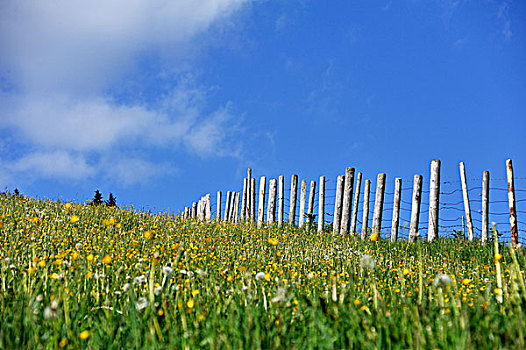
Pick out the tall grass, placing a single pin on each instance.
(77, 276)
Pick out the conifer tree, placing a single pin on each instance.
(97, 199)
(111, 202)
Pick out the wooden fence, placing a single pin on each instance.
(241, 206)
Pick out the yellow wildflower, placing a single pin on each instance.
(84, 335)
(74, 218)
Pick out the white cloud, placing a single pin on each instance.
(62, 59)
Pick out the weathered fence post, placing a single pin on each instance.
(303, 194)
(271, 208)
(338, 205)
(293, 199)
(485, 206)
(415, 207)
(310, 210)
(365, 221)
(396, 210)
(187, 212)
(208, 210)
(465, 196)
(347, 201)
(379, 204)
(218, 205)
(261, 212)
(511, 203)
(244, 200)
(194, 210)
(321, 205)
(356, 203)
(232, 206)
(253, 200)
(248, 212)
(434, 200)
(281, 199)
(227, 206)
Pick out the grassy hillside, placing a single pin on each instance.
(77, 276)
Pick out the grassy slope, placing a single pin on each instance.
(316, 290)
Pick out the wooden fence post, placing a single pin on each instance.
(253, 200)
(293, 199)
(310, 210)
(365, 221)
(356, 203)
(485, 206)
(303, 194)
(218, 205)
(232, 206)
(465, 196)
(236, 207)
(511, 203)
(347, 201)
(434, 200)
(248, 212)
(379, 204)
(271, 208)
(395, 223)
(262, 188)
(244, 199)
(227, 206)
(187, 213)
(281, 199)
(194, 210)
(208, 211)
(321, 205)
(415, 207)
(337, 217)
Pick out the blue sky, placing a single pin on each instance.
(161, 102)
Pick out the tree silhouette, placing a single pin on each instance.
(111, 202)
(97, 199)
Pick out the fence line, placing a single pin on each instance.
(446, 207)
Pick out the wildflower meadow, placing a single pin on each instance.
(79, 276)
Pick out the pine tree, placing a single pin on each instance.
(111, 202)
(97, 199)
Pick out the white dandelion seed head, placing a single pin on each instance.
(260, 276)
(158, 290)
(367, 262)
(167, 270)
(442, 280)
(141, 303)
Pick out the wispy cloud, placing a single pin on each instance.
(60, 62)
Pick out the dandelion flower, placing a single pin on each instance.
(84, 335)
(157, 290)
(74, 219)
(190, 303)
(141, 303)
(374, 237)
(260, 276)
(106, 259)
(167, 270)
(272, 241)
(367, 262)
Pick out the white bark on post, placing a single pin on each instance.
(219, 205)
(208, 212)
(379, 204)
(194, 210)
(236, 207)
(253, 200)
(293, 199)
(465, 196)
(262, 188)
(356, 203)
(434, 200)
(281, 199)
(347, 201)
(271, 208)
(485, 206)
(395, 223)
(321, 205)
(248, 211)
(227, 206)
(415, 207)
(244, 199)
(310, 209)
(232, 206)
(187, 212)
(511, 203)
(199, 208)
(365, 219)
(303, 194)
(337, 216)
